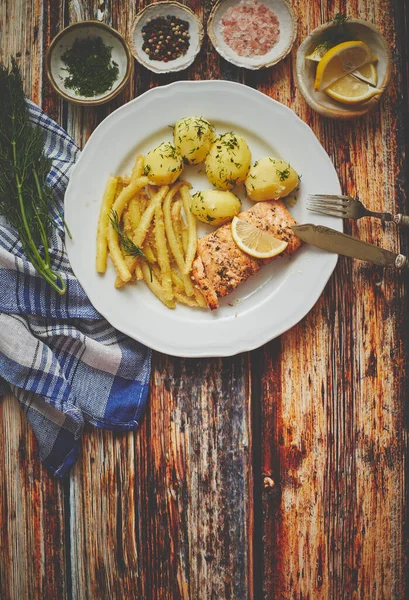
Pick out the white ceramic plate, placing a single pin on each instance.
(265, 306)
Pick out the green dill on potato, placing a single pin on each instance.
(269, 179)
(215, 207)
(228, 161)
(163, 164)
(193, 137)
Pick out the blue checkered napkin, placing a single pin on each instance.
(64, 362)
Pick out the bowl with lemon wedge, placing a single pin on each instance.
(343, 68)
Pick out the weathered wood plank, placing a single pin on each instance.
(52, 23)
(32, 516)
(21, 37)
(103, 533)
(165, 514)
(32, 527)
(333, 446)
(172, 516)
(196, 520)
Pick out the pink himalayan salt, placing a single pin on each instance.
(250, 28)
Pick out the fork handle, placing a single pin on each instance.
(401, 220)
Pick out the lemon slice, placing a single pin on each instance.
(255, 241)
(350, 90)
(367, 73)
(339, 61)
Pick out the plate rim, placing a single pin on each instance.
(246, 344)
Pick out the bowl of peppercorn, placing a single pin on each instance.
(88, 63)
(166, 37)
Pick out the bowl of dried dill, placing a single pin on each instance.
(88, 63)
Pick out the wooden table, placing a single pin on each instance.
(277, 474)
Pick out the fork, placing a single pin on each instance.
(347, 207)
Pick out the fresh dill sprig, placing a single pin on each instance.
(128, 246)
(25, 196)
(323, 46)
(339, 20)
(335, 34)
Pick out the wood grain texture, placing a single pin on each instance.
(171, 518)
(33, 559)
(334, 449)
(32, 516)
(198, 480)
(274, 475)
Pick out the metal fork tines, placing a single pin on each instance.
(347, 207)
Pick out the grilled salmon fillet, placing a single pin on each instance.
(220, 266)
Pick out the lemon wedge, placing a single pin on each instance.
(350, 90)
(255, 241)
(367, 73)
(339, 61)
(320, 51)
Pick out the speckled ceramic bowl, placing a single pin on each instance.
(288, 32)
(163, 9)
(64, 40)
(305, 72)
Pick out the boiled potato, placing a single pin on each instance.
(163, 164)
(269, 179)
(215, 207)
(193, 138)
(228, 161)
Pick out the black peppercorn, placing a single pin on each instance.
(165, 38)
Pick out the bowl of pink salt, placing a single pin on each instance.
(253, 34)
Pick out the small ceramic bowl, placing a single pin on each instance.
(288, 32)
(305, 70)
(56, 69)
(164, 9)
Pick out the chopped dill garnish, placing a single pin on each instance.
(232, 182)
(169, 150)
(284, 174)
(229, 140)
(90, 68)
(200, 131)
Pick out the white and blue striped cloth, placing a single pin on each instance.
(66, 365)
